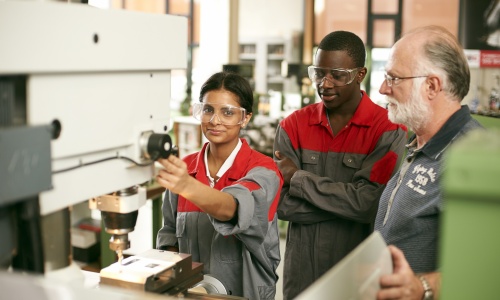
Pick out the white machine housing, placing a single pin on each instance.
(105, 75)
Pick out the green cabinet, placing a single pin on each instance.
(470, 228)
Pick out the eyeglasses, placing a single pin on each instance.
(339, 77)
(226, 114)
(396, 80)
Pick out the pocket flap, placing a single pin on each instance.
(352, 161)
(310, 158)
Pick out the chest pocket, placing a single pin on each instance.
(310, 161)
(352, 161)
(351, 164)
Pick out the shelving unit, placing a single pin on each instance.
(275, 57)
(267, 55)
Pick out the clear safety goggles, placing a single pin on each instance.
(339, 77)
(226, 114)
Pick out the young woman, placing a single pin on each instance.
(221, 202)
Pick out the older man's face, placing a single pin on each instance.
(406, 97)
(413, 111)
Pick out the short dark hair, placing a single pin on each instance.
(233, 83)
(345, 41)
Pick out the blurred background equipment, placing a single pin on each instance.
(260, 133)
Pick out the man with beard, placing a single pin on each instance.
(427, 78)
(336, 157)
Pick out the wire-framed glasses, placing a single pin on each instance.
(396, 80)
(339, 77)
(226, 114)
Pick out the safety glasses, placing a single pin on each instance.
(339, 77)
(226, 114)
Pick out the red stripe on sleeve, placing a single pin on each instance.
(382, 169)
(273, 208)
(252, 186)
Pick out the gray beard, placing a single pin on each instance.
(414, 114)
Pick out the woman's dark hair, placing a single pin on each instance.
(233, 83)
